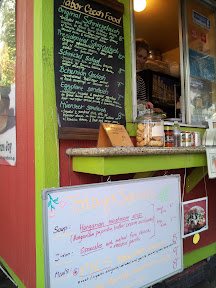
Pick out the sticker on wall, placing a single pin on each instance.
(203, 37)
(194, 34)
(196, 239)
(201, 20)
(194, 216)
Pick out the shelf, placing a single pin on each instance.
(125, 160)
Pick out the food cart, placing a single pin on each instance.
(51, 154)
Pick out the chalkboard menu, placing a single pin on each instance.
(120, 234)
(89, 64)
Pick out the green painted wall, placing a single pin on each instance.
(128, 71)
(46, 129)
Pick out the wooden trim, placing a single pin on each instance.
(114, 4)
(77, 133)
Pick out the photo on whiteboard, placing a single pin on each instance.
(194, 216)
(211, 162)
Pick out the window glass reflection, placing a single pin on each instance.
(201, 42)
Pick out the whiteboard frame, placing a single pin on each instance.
(54, 190)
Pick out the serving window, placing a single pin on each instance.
(180, 72)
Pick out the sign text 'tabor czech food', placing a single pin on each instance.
(89, 64)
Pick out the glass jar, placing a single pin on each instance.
(150, 130)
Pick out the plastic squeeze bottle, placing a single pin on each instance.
(176, 134)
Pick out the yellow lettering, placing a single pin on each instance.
(67, 3)
(71, 198)
(132, 196)
(123, 196)
(97, 203)
(99, 285)
(111, 18)
(87, 205)
(106, 204)
(82, 270)
(90, 11)
(92, 266)
(113, 197)
(124, 258)
(152, 194)
(128, 198)
(107, 15)
(109, 262)
(79, 209)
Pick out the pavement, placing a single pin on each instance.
(209, 283)
(205, 284)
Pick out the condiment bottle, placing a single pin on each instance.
(169, 137)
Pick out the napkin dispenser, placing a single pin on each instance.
(209, 137)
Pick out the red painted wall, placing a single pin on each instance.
(17, 213)
(206, 237)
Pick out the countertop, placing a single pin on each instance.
(124, 160)
(133, 151)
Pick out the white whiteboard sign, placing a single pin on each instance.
(121, 234)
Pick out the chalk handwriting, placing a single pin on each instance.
(89, 47)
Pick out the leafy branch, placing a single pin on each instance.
(8, 42)
(52, 202)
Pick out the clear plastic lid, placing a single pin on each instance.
(150, 115)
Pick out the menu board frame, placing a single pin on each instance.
(73, 131)
(114, 4)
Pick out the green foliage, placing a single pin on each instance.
(8, 42)
(8, 23)
(7, 67)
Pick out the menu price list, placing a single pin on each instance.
(119, 247)
(89, 64)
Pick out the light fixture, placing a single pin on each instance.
(139, 5)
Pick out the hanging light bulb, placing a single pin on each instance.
(139, 5)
